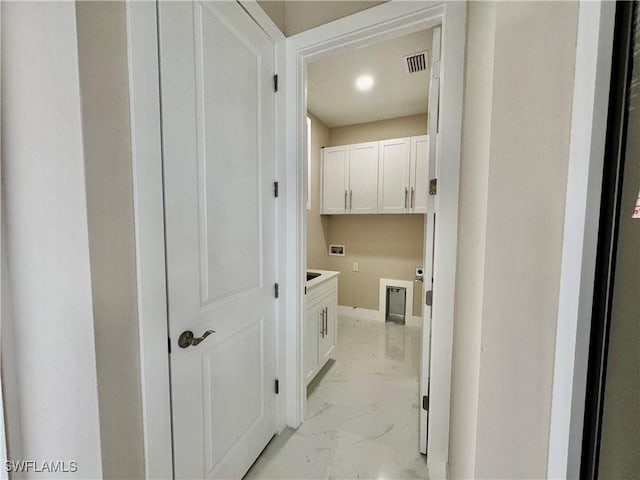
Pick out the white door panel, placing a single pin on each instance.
(419, 173)
(335, 178)
(218, 153)
(393, 191)
(430, 226)
(311, 331)
(363, 178)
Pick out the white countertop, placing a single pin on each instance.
(324, 275)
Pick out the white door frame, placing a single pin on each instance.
(387, 20)
(584, 186)
(144, 96)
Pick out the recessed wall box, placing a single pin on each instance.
(336, 250)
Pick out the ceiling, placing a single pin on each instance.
(333, 97)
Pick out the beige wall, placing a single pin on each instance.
(102, 55)
(533, 66)
(317, 245)
(381, 130)
(275, 10)
(384, 246)
(293, 17)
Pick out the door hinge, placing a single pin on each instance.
(275, 189)
(277, 386)
(169, 343)
(428, 297)
(276, 289)
(275, 83)
(433, 186)
(425, 402)
(435, 70)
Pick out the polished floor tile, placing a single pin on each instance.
(362, 411)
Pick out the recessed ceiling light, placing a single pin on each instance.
(364, 82)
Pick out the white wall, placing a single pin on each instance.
(47, 240)
(104, 87)
(474, 181)
(533, 88)
(509, 322)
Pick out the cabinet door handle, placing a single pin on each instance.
(406, 191)
(326, 320)
(413, 197)
(322, 329)
(345, 200)
(350, 199)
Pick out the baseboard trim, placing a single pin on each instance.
(363, 313)
(367, 314)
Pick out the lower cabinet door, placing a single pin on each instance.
(312, 326)
(328, 340)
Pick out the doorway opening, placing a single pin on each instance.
(370, 147)
(369, 175)
(384, 22)
(372, 110)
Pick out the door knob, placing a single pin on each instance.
(187, 339)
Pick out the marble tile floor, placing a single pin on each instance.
(362, 411)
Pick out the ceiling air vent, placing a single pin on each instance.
(416, 62)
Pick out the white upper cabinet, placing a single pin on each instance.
(393, 167)
(389, 176)
(419, 174)
(335, 179)
(363, 178)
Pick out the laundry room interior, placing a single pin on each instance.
(367, 207)
(368, 160)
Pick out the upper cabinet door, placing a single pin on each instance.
(393, 190)
(419, 177)
(335, 179)
(363, 178)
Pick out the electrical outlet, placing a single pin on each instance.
(356, 267)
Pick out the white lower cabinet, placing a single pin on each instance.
(320, 325)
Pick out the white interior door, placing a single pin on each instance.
(363, 178)
(335, 175)
(218, 112)
(430, 226)
(393, 165)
